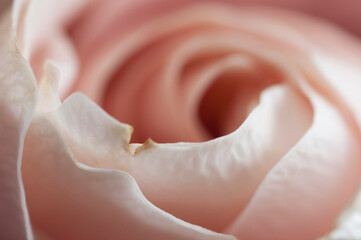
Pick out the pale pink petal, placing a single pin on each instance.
(130, 97)
(344, 79)
(349, 224)
(298, 170)
(344, 13)
(40, 25)
(95, 138)
(306, 191)
(210, 183)
(17, 103)
(62, 54)
(115, 48)
(310, 181)
(332, 70)
(293, 34)
(45, 38)
(68, 200)
(207, 183)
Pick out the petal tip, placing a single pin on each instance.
(145, 146)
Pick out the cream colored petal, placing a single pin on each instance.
(210, 183)
(305, 192)
(206, 183)
(69, 200)
(17, 103)
(94, 137)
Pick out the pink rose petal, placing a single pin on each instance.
(306, 191)
(270, 191)
(68, 200)
(17, 103)
(207, 183)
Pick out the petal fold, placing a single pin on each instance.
(204, 183)
(305, 192)
(69, 200)
(17, 103)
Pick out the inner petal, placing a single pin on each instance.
(160, 90)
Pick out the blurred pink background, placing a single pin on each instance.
(345, 13)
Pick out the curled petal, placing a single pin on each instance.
(44, 37)
(210, 183)
(17, 103)
(349, 225)
(69, 200)
(95, 138)
(204, 183)
(308, 188)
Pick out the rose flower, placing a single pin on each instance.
(246, 122)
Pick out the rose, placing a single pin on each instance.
(289, 169)
(34, 185)
(34, 151)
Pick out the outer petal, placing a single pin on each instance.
(336, 74)
(306, 191)
(206, 183)
(68, 200)
(349, 225)
(17, 102)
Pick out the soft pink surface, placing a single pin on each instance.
(274, 92)
(17, 103)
